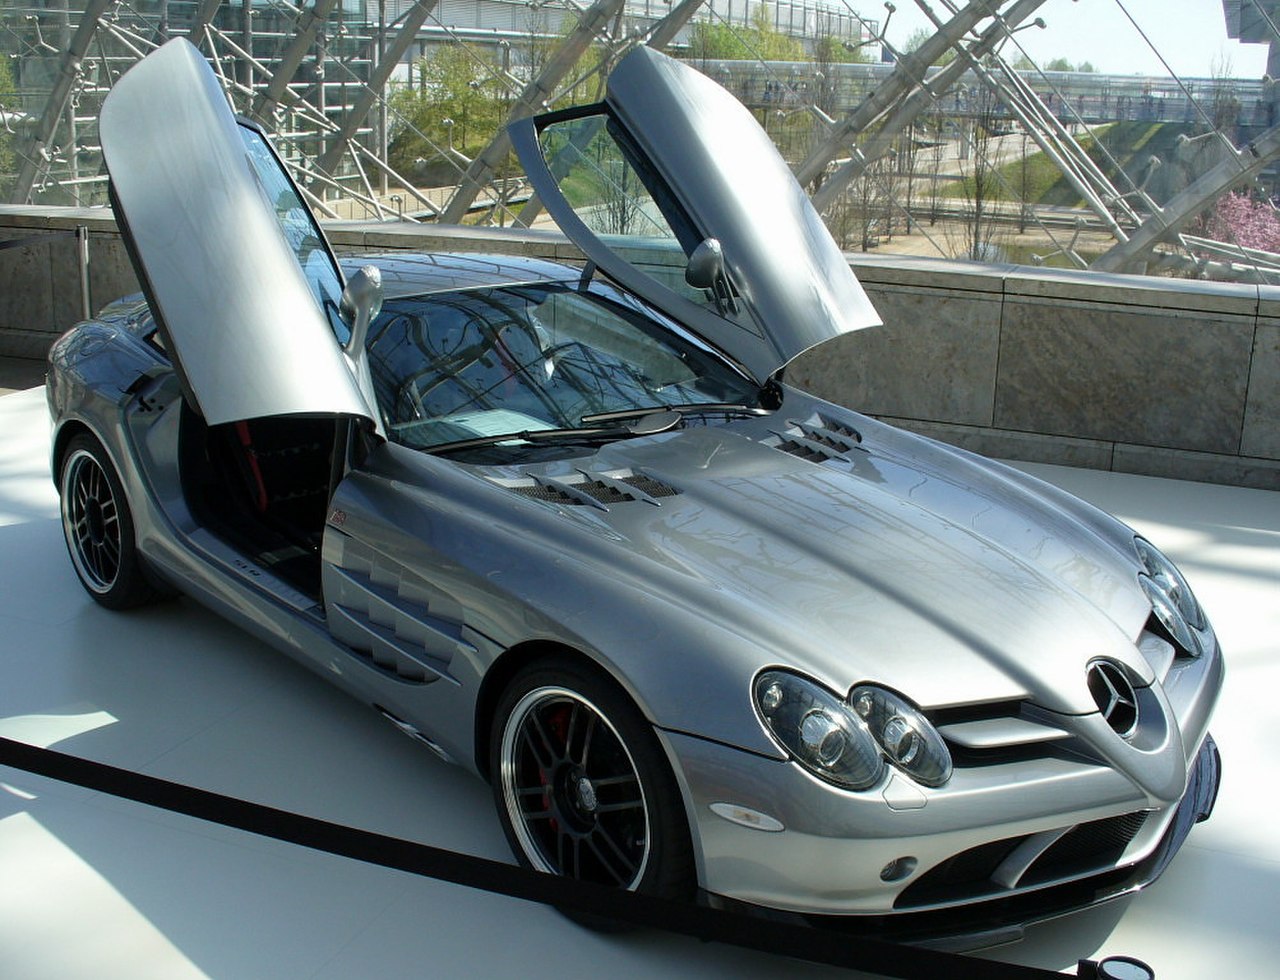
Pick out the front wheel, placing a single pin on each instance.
(98, 527)
(582, 786)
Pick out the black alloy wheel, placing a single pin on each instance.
(98, 527)
(583, 787)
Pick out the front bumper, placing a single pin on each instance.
(1076, 833)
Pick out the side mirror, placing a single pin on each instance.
(706, 265)
(361, 302)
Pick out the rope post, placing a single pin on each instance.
(82, 247)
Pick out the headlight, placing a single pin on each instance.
(907, 738)
(1171, 598)
(818, 730)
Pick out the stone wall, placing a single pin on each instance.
(1141, 375)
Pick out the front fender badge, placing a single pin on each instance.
(744, 816)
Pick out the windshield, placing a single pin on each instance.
(488, 362)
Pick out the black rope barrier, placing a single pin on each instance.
(710, 925)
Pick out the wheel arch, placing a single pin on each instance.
(500, 674)
(67, 431)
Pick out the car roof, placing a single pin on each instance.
(416, 274)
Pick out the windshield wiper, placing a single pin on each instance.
(652, 422)
(704, 408)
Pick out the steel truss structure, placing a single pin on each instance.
(317, 75)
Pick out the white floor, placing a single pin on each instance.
(91, 886)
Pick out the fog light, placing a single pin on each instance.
(898, 869)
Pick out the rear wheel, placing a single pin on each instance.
(583, 787)
(98, 527)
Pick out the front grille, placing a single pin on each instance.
(1084, 850)
(965, 875)
(1086, 847)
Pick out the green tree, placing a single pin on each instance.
(708, 41)
(831, 50)
(917, 38)
(459, 105)
(8, 103)
(1059, 64)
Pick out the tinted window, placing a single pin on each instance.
(300, 229)
(488, 362)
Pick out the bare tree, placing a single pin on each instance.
(983, 188)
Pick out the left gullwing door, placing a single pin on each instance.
(244, 287)
(673, 189)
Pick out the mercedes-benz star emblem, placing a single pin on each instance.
(1114, 696)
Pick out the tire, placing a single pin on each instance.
(98, 527)
(583, 788)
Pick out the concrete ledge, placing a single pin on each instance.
(1035, 447)
(1145, 375)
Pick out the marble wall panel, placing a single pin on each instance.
(1002, 444)
(1262, 410)
(1138, 375)
(111, 273)
(26, 287)
(935, 358)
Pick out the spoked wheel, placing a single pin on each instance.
(98, 527)
(582, 786)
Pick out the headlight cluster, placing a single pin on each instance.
(1171, 598)
(847, 743)
(906, 737)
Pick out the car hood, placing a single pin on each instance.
(712, 172)
(237, 311)
(903, 564)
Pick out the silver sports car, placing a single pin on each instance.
(706, 635)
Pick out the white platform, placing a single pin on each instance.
(91, 886)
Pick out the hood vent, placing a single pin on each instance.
(597, 490)
(819, 439)
(648, 486)
(542, 491)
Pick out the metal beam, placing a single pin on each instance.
(920, 100)
(1241, 166)
(369, 96)
(68, 72)
(204, 17)
(529, 101)
(663, 33)
(308, 26)
(907, 76)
